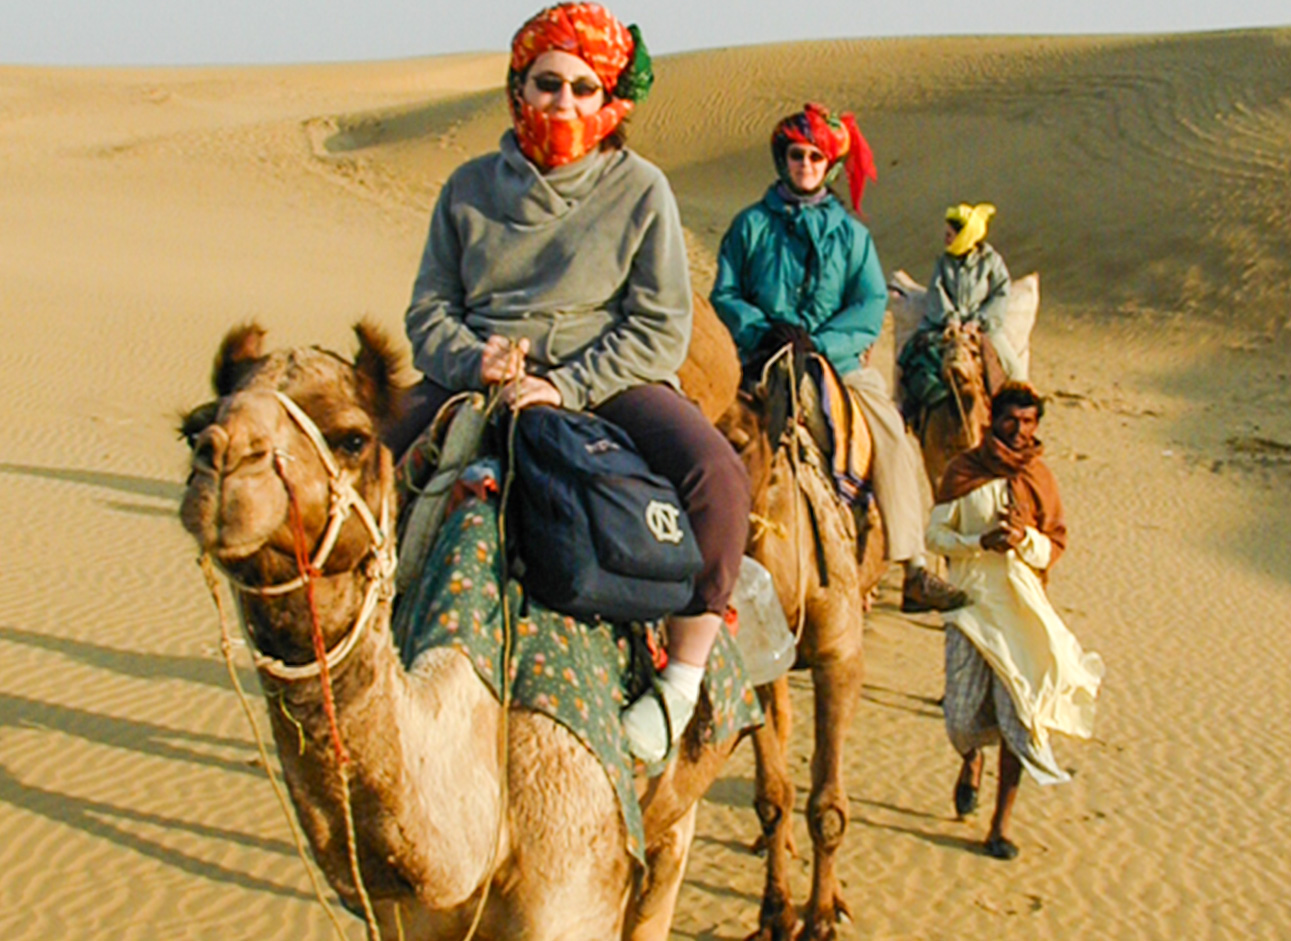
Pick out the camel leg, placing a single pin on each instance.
(774, 804)
(837, 684)
(651, 914)
(937, 441)
(774, 700)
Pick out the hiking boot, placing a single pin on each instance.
(924, 591)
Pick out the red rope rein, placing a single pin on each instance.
(306, 567)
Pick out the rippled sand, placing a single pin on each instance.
(146, 211)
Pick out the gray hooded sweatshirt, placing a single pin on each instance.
(588, 262)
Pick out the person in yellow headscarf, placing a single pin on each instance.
(971, 282)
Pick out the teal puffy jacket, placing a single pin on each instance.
(814, 266)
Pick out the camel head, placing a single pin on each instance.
(964, 372)
(961, 353)
(251, 456)
(756, 423)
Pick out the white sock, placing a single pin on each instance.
(644, 722)
(684, 678)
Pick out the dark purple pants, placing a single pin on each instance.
(679, 443)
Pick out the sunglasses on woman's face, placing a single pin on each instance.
(550, 83)
(800, 154)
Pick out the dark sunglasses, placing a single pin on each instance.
(802, 153)
(550, 83)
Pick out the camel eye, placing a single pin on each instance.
(351, 444)
(195, 422)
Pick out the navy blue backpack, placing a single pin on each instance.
(599, 534)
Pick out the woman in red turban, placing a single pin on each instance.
(797, 267)
(557, 266)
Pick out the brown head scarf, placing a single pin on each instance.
(1033, 490)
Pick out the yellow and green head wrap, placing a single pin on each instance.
(971, 222)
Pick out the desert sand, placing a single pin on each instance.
(1147, 179)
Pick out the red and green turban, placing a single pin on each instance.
(616, 53)
(837, 137)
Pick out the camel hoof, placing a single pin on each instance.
(771, 933)
(820, 925)
(817, 931)
(781, 930)
(777, 921)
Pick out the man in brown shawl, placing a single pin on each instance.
(1014, 672)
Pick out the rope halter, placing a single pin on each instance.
(379, 564)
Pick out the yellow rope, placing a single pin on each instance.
(764, 524)
(351, 846)
(798, 497)
(226, 646)
(504, 724)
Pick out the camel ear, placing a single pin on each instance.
(242, 348)
(377, 364)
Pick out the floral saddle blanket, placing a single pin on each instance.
(579, 674)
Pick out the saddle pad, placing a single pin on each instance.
(574, 672)
(843, 426)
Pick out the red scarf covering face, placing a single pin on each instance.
(1033, 490)
(593, 34)
(838, 138)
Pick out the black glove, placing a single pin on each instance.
(783, 334)
(779, 336)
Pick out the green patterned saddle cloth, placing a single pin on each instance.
(580, 674)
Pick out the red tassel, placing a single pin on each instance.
(860, 161)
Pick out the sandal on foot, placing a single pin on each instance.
(999, 847)
(965, 799)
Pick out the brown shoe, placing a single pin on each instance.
(924, 591)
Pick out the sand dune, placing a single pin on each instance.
(1147, 179)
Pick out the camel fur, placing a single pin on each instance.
(426, 763)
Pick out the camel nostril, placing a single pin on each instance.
(204, 454)
(210, 448)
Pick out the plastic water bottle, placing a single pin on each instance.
(764, 638)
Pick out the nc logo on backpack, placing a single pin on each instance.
(662, 519)
(600, 534)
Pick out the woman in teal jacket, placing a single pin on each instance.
(798, 262)
(809, 264)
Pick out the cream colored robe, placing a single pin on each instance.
(1052, 681)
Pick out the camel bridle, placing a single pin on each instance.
(379, 563)
(952, 380)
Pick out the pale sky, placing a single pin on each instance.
(193, 32)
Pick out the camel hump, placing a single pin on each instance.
(710, 376)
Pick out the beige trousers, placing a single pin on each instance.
(897, 466)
